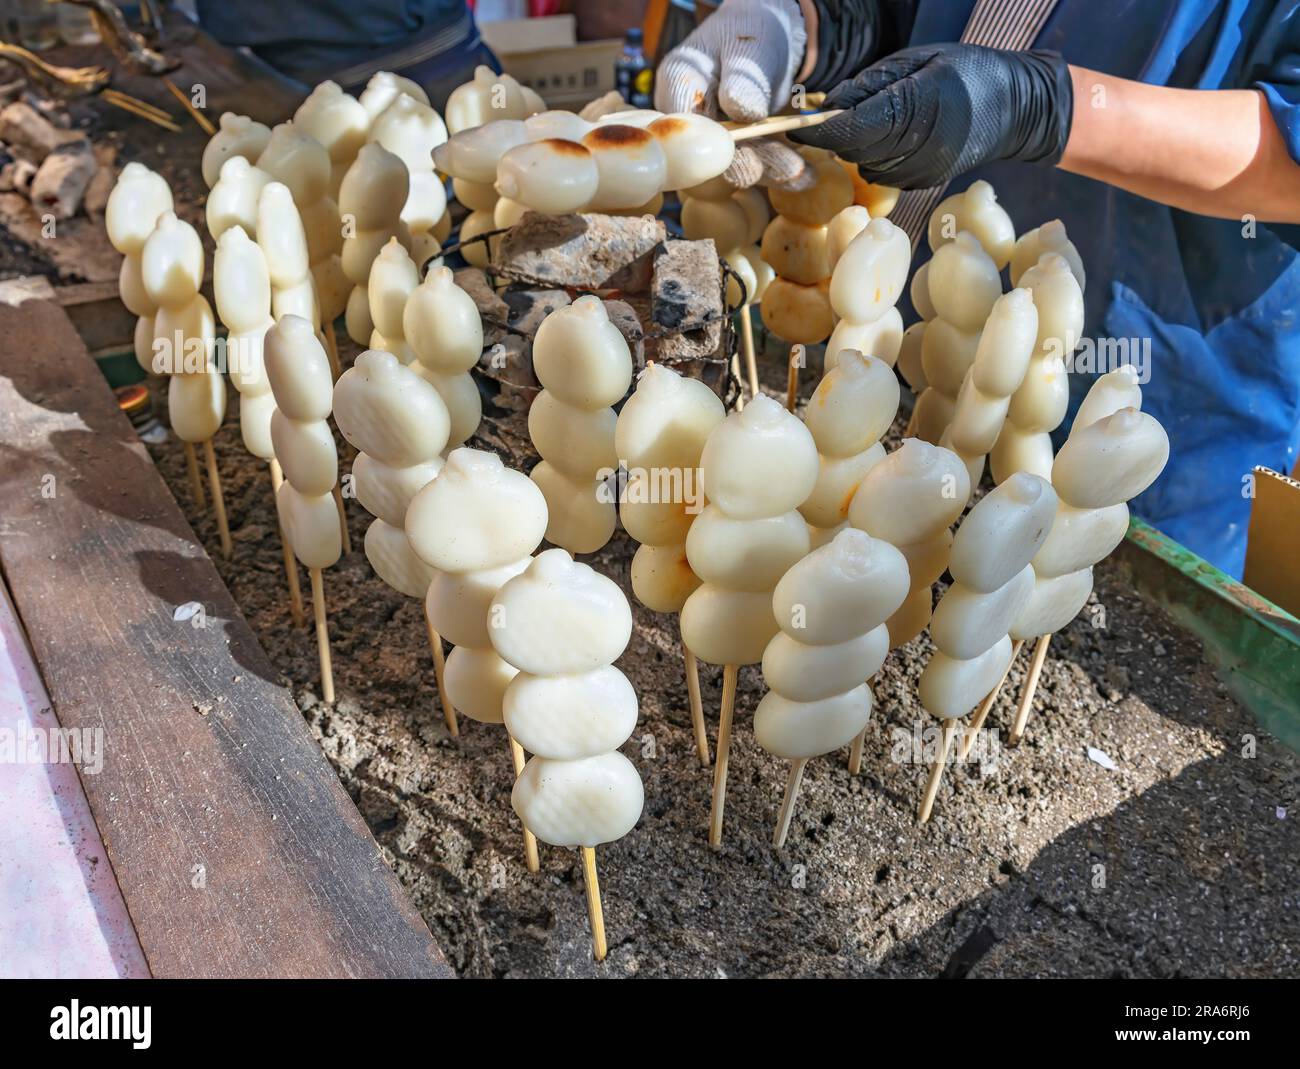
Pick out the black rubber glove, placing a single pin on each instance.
(922, 116)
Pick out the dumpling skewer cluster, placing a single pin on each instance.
(831, 607)
(992, 583)
(303, 388)
(410, 129)
(1039, 404)
(237, 135)
(399, 425)
(1114, 452)
(797, 305)
(477, 525)
(758, 467)
(869, 268)
(371, 198)
(659, 438)
(584, 365)
(171, 269)
(562, 625)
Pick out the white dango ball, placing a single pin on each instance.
(796, 730)
(333, 288)
(237, 135)
(582, 513)
(458, 603)
(477, 679)
(336, 119)
(963, 282)
(1110, 461)
(460, 393)
(667, 420)
(977, 211)
(472, 154)
(947, 354)
(310, 524)
(881, 338)
(233, 200)
(562, 617)
(977, 420)
(855, 582)
(488, 96)
(761, 461)
(579, 803)
(356, 315)
(1021, 450)
(569, 717)
(389, 412)
(306, 452)
(722, 221)
(662, 577)
(749, 554)
(134, 206)
(631, 164)
(1115, 390)
(911, 495)
(298, 370)
(385, 87)
(410, 130)
(255, 411)
(476, 196)
(854, 405)
(477, 514)
(577, 441)
(385, 490)
(967, 622)
(506, 213)
(830, 194)
(912, 618)
(920, 292)
(477, 253)
(441, 322)
(933, 413)
(974, 463)
(798, 313)
(1050, 237)
(795, 251)
(390, 554)
(804, 673)
(1042, 399)
(753, 202)
(837, 481)
(581, 356)
(950, 687)
(641, 118)
(282, 238)
(928, 559)
(241, 282)
(696, 149)
(196, 405)
(565, 125)
(1006, 344)
(841, 230)
(171, 265)
(740, 263)
(552, 176)
(1080, 538)
(130, 288)
(375, 187)
(723, 626)
(871, 272)
(1003, 532)
(393, 278)
(299, 161)
(189, 331)
(1053, 604)
(1059, 301)
(909, 357)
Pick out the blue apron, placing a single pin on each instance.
(1217, 299)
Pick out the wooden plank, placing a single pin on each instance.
(237, 850)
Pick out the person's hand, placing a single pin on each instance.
(741, 62)
(922, 116)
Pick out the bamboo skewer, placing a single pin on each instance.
(290, 561)
(594, 910)
(138, 108)
(855, 751)
(729, 674)
(205, 124)
(322, 635)
(697, 705)
(1031, 685)
(218, 501)
(439, 669)
(981, 714)
(138, 104)
(780, 124)
(936, 771)
(343, 519)
(332, 351)
(792, 377)
(530, 840)
(787, 803)
(747, 344)
(196, 480)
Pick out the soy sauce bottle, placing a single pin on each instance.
(634, 76)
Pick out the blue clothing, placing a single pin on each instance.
(1219, 306)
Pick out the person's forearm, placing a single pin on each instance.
(1213, 152)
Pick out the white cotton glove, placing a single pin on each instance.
(740, 62)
